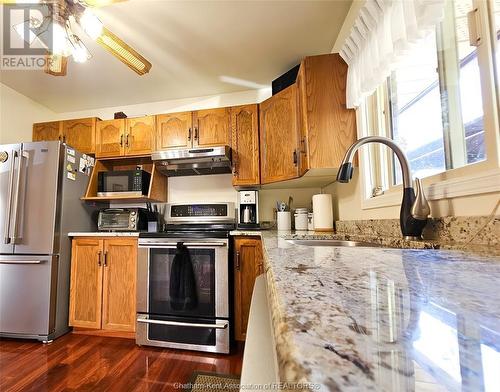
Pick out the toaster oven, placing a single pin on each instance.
(123, 219)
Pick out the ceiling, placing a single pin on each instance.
(197, 48)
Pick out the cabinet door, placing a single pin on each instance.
(110, 138)
(86, 283)
(245, 143)
(211, 127)
(47, 131)
(174, 130)
(139, 136)
(248, 265)
(80, 134)
(302, 119)
(279, 137)
(119, 284)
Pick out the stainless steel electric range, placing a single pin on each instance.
(183, 279)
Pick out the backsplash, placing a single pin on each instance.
(479, 230)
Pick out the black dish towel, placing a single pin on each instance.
(182, 282)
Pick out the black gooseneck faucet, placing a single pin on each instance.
(414, 207)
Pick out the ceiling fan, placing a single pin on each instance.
(57, 25)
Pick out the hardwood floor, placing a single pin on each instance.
(93, 363)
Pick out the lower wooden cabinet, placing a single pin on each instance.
(248, 264)
(103, 284)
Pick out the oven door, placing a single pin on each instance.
(209, 260)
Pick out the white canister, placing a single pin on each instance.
(323, 212)
(301, 219)
(284, 220)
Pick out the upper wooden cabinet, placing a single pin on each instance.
(245, 143)
(80, 134)
(47, 131)
(139, 135)
(110, 138)
(103, 283)
(174, 130)
(125, 137)
(203, 128)
(248, 264)
(279, 136)
(212, 127)
(327, 127)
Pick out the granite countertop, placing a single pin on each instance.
(105, 234)
(380, 319)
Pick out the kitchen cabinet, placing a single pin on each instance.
(86, 283)
(139, 135)
(279, 136)
(125, 137)
(110, 138)
(202, 128)
(103, 284)
(212, 127)
(174, 130)
(47, 131)
(119, 284)
(327, 127)
(248, 264)
(245, 143)
(80, 134)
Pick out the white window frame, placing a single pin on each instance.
(474, 179)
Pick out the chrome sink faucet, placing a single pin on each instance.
(414, 208)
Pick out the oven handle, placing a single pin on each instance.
(173, 244)
(181, 324)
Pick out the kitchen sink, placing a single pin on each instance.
(329, 242)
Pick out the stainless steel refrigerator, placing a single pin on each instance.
(41, 184)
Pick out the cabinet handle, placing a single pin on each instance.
(59, 138)
(189, 134)
(121, 140)
(99, 255)
(106, 259)
(195, 133)
(64, 139)
(126, 141)
(238, 261)
(295, 158)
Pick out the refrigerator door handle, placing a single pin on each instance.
(20, 261)
(15, 237)
(8, 211)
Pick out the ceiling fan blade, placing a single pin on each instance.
(56, 65)
(101, 3)
(124, 52)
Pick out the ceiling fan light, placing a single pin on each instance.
(80, 52)
(91, 24)
(61, 45)
(124, 52)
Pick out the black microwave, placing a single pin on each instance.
(123, 183)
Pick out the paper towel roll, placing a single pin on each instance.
(323, 212)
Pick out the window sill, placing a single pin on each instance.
(484, 182)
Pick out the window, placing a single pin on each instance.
(433, 105)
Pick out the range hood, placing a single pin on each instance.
(194, 161)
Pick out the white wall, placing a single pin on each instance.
(17, 115)
(175, 105)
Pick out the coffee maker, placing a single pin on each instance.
(248, 205)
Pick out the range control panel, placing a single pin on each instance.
(198, 210)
